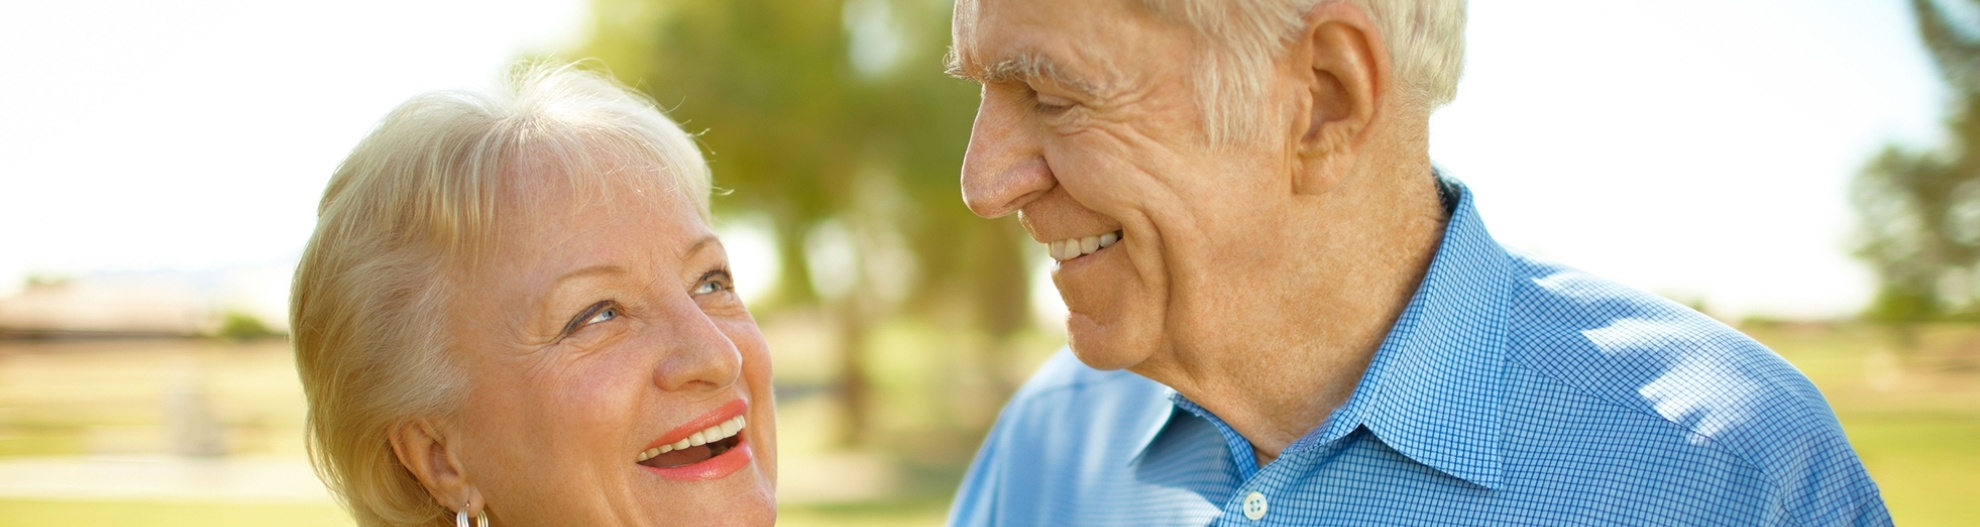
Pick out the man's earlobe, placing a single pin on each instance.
(1344, 68)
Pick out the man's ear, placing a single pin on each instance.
(1343, 70)
(423, 450)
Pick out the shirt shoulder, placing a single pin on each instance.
(1679, 368)
(1069, 396)
(1064, 436)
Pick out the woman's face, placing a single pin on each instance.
(603, 331)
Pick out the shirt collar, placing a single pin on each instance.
(1433, 390)
(1155, 427)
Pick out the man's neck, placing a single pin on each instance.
(1316, 324)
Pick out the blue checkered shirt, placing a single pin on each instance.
(1511, 391)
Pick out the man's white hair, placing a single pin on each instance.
(1425, 39)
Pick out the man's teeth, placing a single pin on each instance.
(711, 434)
(1068, 249)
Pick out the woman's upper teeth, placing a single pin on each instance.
(711, 434)
(1071, 248)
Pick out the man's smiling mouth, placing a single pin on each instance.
(702, 445)
(1071, 248)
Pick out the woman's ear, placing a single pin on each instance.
(423, 450)
(1342, 70)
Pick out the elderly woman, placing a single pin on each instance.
(513, 310)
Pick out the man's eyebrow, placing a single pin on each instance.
(1023, 68)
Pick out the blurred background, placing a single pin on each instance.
(1804, 170)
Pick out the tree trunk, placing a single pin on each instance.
(855, 390)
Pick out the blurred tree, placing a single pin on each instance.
(833, 119)
(1920, 210)
(244, 327)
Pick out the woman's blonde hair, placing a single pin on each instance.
(413, 205)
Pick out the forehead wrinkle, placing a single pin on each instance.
(982, 53)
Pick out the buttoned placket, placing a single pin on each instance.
(1252, 505)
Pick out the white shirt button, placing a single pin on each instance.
(1254, 506)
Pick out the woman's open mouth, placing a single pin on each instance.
(704, 444)
(713, 451)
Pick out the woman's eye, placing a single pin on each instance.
(599, 312)
(603, 315)
(712, 282)
(710, 287)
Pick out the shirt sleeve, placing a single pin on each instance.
(1822, 482)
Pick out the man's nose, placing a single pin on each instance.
(1004, 168)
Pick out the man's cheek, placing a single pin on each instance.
(1103, 184)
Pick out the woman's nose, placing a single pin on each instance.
(697, 355)
(1004, 168)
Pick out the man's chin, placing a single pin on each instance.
(1105, 346)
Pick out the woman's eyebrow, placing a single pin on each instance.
(607, 269)
(702, 243)
(591, 270)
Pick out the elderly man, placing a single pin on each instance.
(1315, 326)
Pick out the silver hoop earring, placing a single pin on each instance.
(461, 519)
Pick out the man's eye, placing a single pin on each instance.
(1051, 104)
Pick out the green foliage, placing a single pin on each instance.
(1920, 210)
(1899, 305)
(803, 132)
(244, 327)
(42, 280)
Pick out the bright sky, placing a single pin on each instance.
(197, 134)
(1692, 148)
(1695, 148)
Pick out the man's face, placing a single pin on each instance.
(1089, 130)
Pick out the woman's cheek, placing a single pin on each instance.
(742, 332)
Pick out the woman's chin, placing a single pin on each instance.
(729, 488)
(743, 498)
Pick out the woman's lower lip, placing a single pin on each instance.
(717, 467)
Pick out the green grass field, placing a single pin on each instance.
(1914, 418)
(27, 513)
